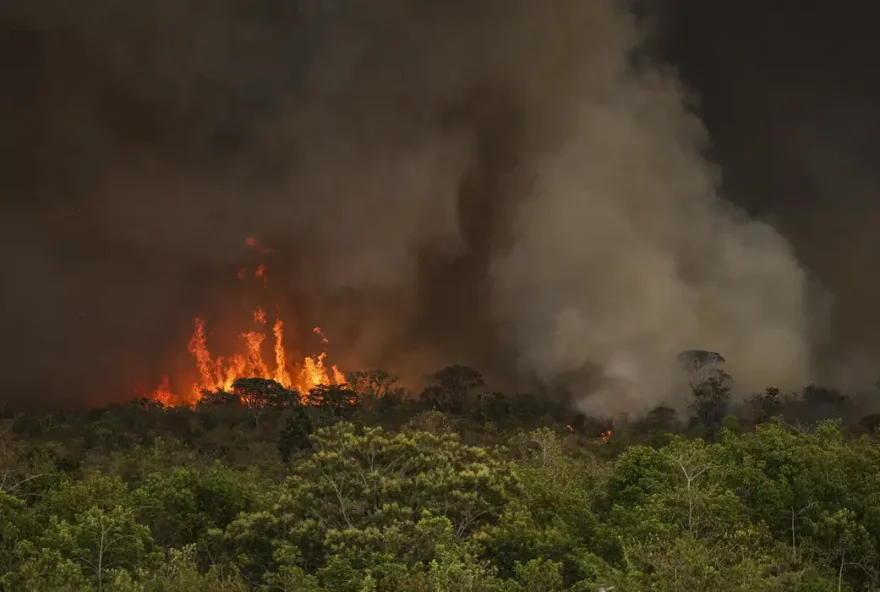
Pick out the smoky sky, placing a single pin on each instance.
(530, 188)
(788, 97)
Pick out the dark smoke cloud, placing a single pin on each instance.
(506, 184)
(788, 98)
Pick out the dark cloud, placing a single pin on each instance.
(506, 184)
(787, 94)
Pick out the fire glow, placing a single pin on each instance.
(220, 373)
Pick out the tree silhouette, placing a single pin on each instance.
(491, 407)
(376, 389)
(450, 387)
(294, 436)
(260, 394)
(711, 403)
(335, 398)
(766, 405)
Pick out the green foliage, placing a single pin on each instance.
(552, 519)
(294, 436)
(711, 402)
(252, 490)
(361, 494)
(359, 479)
(98, 542)
(491, 408)
(433, 422)
(75, 497)
(17, 523)
(767, 405)
(24, 471)
(539, 575)
(813, 489)
(183, 505)
(179, 572)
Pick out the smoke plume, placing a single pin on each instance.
(508, 184)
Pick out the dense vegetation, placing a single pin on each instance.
(456, 489)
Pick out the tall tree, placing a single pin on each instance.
(450, 388)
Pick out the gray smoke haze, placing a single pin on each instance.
(794, 117)
(625, 255)
(507, 184)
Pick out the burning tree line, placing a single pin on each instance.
(461, 391)
(261, 382)
(222, 374)
(231, 374)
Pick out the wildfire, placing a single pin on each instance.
(219, 373)
(163, 392)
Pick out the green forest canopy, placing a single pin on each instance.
(458, 488)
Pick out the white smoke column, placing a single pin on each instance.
(623, 250)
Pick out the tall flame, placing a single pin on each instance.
(220, 373)
(255, 364)
(198, 347)
(338, 376)
(163, 392)
(282, 376)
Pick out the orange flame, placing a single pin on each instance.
(220, 373)
(282, 376)
(198, 347)
(605, 436)
(255, 364)
(313, 372)
(163, 392)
